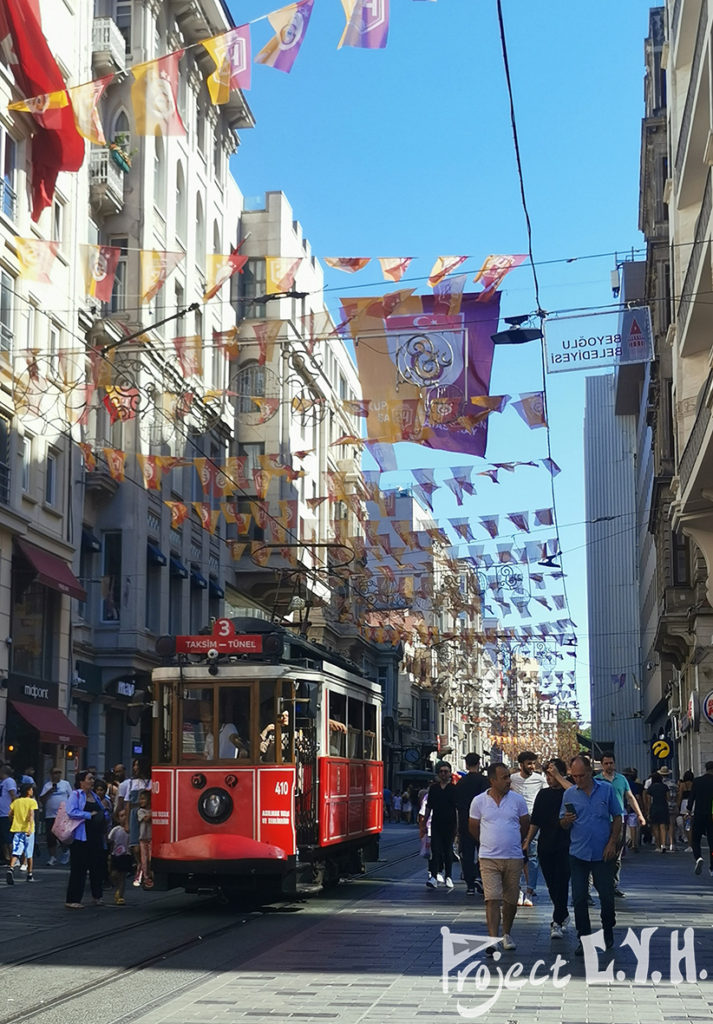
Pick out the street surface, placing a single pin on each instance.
(368, 952)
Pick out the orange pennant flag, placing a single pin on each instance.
(152, 471)
(154, 96)
(36, 258)
(349, 264)
(189, 350)
(266, 333)
(237, 549)
(179, 512)
(156, 267)
(116, 461)
(394, 269)
(267, 406)
(219, 269)
(39, 104)
(208, 516)
(85, 104)
(280, 273)
(90, 462)
(259, 552)
(228, 342)
(231, 54)
(444, 266)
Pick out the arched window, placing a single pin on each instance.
(250, 382)
(121, 132)
(159, 181)
(200, 235)
(216, 237)
(181, 206)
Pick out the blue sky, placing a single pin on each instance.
(408, 151)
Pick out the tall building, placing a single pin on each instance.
(689, 191)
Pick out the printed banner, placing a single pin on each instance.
(367, 24)
(156, 267)
(154, 96)
(231, 53)
(290, 25)
(219, 269)
(85, 103)
(605, 339)
(36, 258)
(100, 263)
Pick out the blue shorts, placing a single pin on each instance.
(23, 844)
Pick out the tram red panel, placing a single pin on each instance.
(191, 784)
(351, 799)
(161, 805)
(276, 819)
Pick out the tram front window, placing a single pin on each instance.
(234, 727)
(197, 726)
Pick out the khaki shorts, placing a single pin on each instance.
(501, 878)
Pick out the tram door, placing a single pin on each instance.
(306, 749)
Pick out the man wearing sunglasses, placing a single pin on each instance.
(441, 805)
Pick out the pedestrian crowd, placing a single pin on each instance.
(101, 828)
(570, 822)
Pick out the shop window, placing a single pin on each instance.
(34, 614)
(111, 577)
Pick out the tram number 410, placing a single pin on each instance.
(282, 788)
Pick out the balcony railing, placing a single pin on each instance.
(106, 182)
(696, 437)
(687, 118)
(700, 240)
(108, 45)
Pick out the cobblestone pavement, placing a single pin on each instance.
(380, 958)
(373, 951)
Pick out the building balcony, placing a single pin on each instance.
(108, 47)
(694, 136)
(693, 317)
(106, 183)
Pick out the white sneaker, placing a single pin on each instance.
(23, 867)
(520, 899)
(439, 877)
(51, 862)
(565, 923)
(555, 931)
(508, 943)
(431, 883)
(449, 883)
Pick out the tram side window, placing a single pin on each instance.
(197, 725)
(337, 725)
(234, 723)
(276, 722)
(166, 709)
(355, 728)
(370, 732)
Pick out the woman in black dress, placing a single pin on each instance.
(658, 810)
(87, 854)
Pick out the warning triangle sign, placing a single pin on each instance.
(636, 337)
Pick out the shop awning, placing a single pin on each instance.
(178, 568)
(198, 580)
(154, 554)
(51, 723)
(215, 590)
(51, 571)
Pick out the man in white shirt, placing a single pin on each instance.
(499, 822)
(54, 792)
(528, 783)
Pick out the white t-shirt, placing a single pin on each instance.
(500, 836)
(528, 788)
(63, 792)
(129, 786)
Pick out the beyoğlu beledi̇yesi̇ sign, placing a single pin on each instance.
(605, 339)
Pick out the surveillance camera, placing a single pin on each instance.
(212, 654)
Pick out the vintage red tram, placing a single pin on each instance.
(267, 769)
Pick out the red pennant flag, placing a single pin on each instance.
(179, 512)
(121, 403)
(57, 146)
(100, 263)
(220, 269)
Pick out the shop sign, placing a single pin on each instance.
(707, 707)
(33, 691)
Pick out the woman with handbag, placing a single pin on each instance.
(88, 850)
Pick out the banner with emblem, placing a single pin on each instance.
(36, 258)
(100, 263)
(85, 104)
(156, 267)
(290, 25)
(367, 24)
(154, 96)
(231, 54)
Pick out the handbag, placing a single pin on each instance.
(64, 826)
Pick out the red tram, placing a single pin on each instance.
(267, 767)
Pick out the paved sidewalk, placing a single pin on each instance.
(380, 960)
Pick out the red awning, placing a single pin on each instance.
(51, 570)
(51, 723)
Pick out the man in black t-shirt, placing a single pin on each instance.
(441, 805)
(470, 786)
(700, 805)
(553, 843)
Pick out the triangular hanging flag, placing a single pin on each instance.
(493, 403)
(490, 523)
(85, 104)
(189, 349)
(349, 264)
(444, 266)
(100, 263)
(219, 269)
(290, 25)
(236, 549)
(259, 552)
(121, 403)
(228, 341)
(266, 334)
(231, 54)
(116, 461)
(383, 455)
(551, 466)
(151, 468)
(280, 273)
(454, 485)
(448, 295)
(154, 96)
(544, 516)
(39, 104)
(179, 512)
(493, 271)
(208, 516)
(156, 267)
(531, 408)
(520, 520)
(394, 269)
(267, 406)
(90, 462)
(367, 24)
(36, 258)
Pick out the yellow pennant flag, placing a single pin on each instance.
(231, 54)
(36, 258)
(154, 96)
(156, 267)
(85, 104)
(280, 273)
(39, 104)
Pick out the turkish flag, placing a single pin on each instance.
(57, 146)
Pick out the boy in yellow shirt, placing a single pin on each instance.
(22, 830)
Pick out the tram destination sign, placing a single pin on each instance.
(235, 644)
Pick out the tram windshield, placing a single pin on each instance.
(251, 722)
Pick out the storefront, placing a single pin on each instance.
(38, 733)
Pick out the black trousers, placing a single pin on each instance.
(698, 830)
(555, 868)
(468, 858)
(85, 856)
(441, 852)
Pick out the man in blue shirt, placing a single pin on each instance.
(592, 810)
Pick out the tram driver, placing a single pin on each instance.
(267, 738)
(230, 742)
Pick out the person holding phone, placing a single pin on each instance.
(591, 811)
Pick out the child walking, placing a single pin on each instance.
(120, 858)
(22, 830)
(144, 816)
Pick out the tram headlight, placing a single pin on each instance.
(215, 806)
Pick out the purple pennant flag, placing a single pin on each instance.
(290, 25)
(367, 24)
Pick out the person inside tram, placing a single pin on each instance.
(267, 738)
(230, 742)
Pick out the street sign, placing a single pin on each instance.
(660, 749)
(223, 639)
